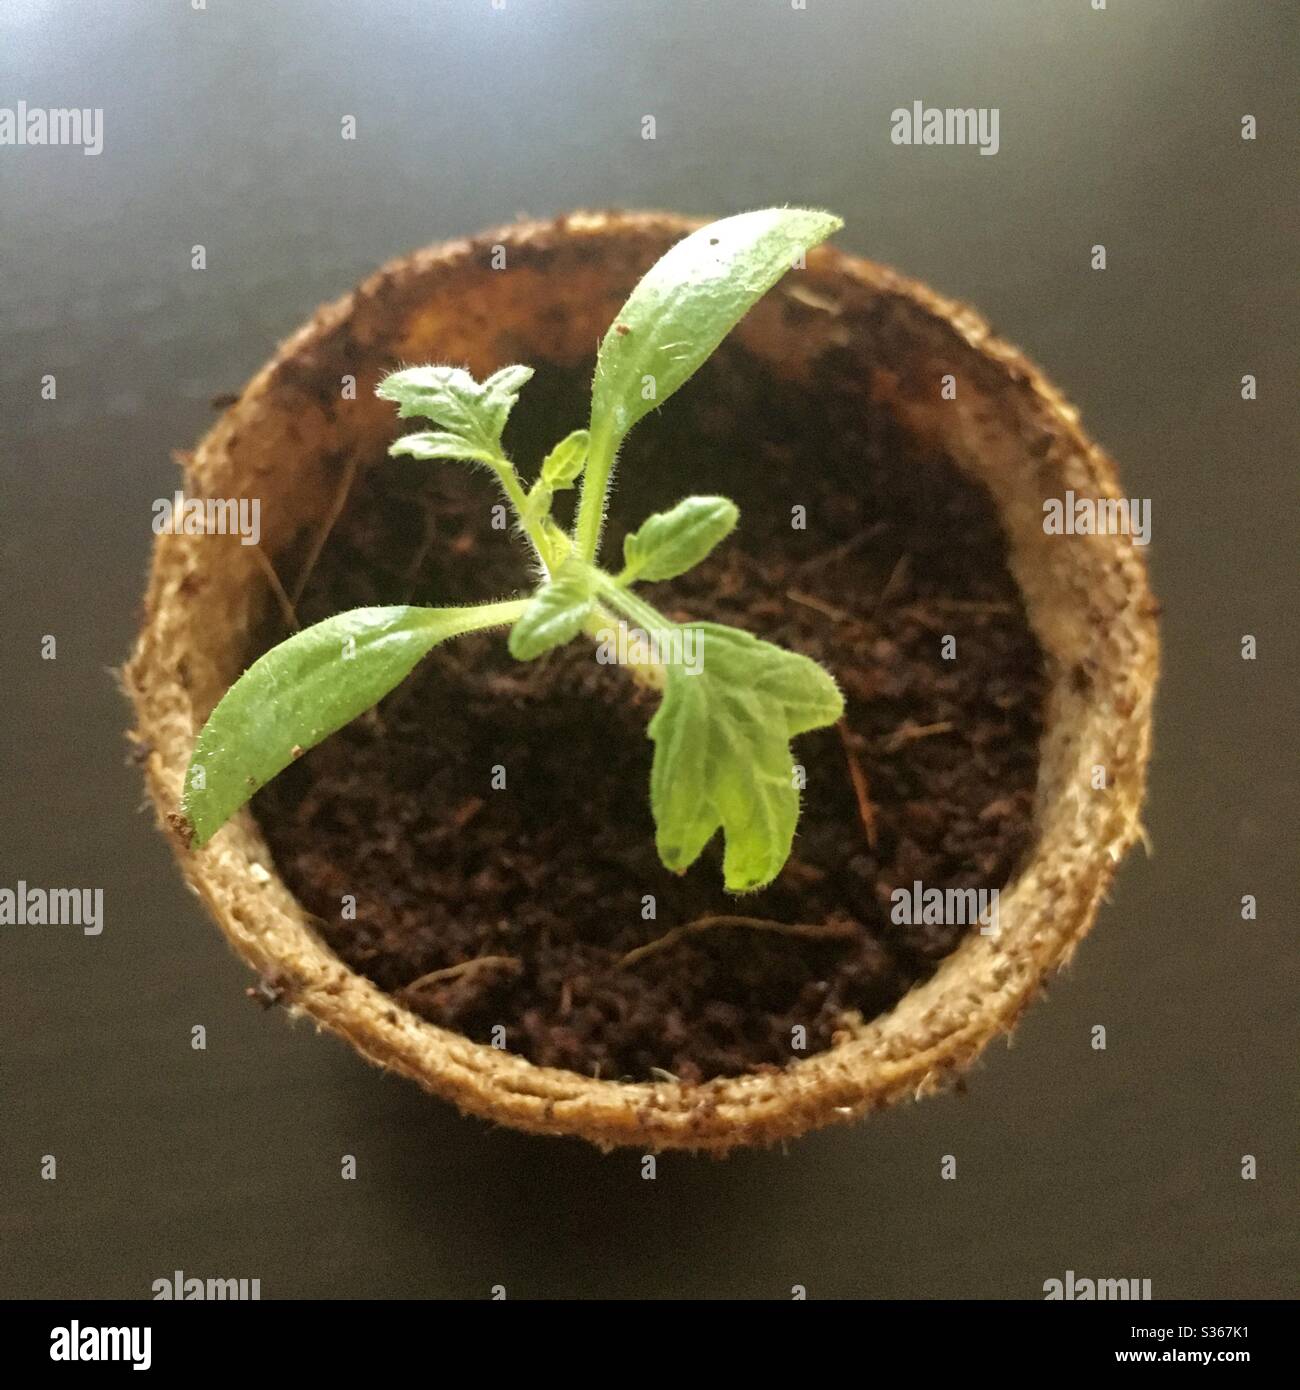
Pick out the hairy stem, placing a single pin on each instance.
(475, 617)
(597, 627)
(510, 484)
(636, 609)
(595, 486)
(632, 605)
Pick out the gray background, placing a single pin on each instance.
(222, 127)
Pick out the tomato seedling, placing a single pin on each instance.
(722, 754)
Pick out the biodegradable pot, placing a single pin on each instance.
(1086, 599)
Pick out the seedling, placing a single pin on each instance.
(722, 754)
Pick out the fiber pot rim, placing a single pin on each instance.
(1087, 600)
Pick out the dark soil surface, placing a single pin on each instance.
(552, 871)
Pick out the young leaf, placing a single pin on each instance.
(688, 301)
(303, 690)
(670, 543)
(555, 614)
(722, 753)
(537, 504)
(472, 412)
(559, 540)
(560, 470)
(565, 462)
(439, 444)
(502, 390)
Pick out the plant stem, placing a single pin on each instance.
(635, 608)
(476, 616)
(597, 627)
(509, 479)
(632, 605)
(601, 449)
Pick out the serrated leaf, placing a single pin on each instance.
(688, 301)
(555, 614)
(722, 754)
(670, 543)
(562, 466)
(439, 444)
(475, 412)
(501, 390)
(509, 381)
(306, 688)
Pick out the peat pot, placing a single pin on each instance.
(926, 371)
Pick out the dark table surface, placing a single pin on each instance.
(222, 128)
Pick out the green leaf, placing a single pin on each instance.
(303, 690)
(537, 505)
(670, 543)
(555, 614)
(473, 412)
(688, 301)
(438, 444)
(560, 470)
(560, 541)
(722, 753)
(565, 462)
(501, 390)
